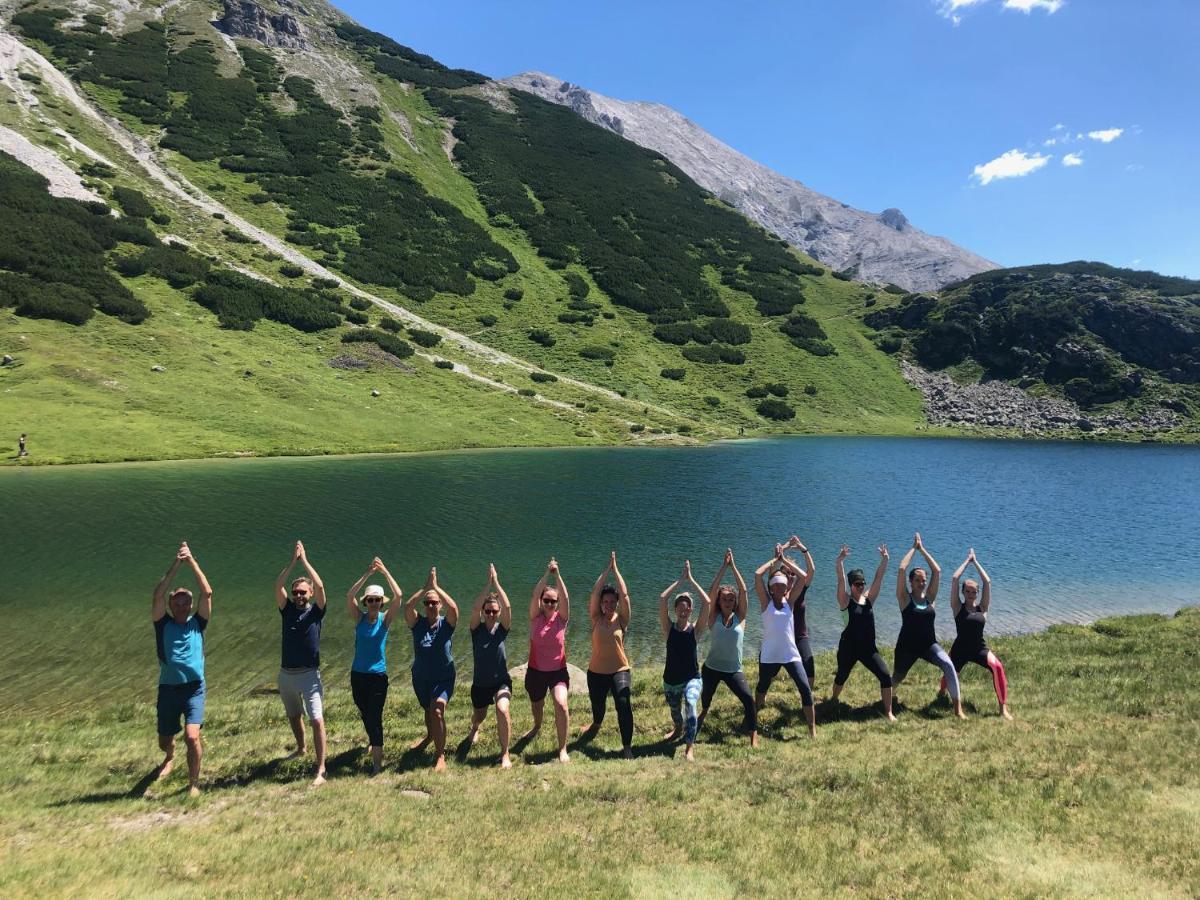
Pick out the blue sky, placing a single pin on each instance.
(943, 108)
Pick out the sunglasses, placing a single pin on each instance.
(299, 593)
(550, 602)
(431, 603)
(858, 584)
(491, 612)
(374, 599)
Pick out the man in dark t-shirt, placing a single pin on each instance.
(302, 611)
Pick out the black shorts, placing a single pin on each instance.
(538, 683)
(484, 695)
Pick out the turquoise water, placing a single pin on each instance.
(1068, 531)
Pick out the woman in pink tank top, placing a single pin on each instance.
(549, 612)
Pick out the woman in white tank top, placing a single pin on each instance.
(779, 648)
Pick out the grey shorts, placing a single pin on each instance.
(302, 693)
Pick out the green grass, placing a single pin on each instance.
(1092, 791)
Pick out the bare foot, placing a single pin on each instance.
(320, 779)
(473, 737)
(626, 753)
(439, 764)
(687, 754)
(1004, 712)
(891, 718)
(754, 739)
(505, 762)
(960, 713)
(562, 756)
(165, 769)
(672, 735)
(589, 730)
(531, 733)
(194, 791)
(299, 751)
(422, 743)
(812, 731)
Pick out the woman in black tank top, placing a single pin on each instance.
(682, 684)
(970, 618)
(857, 645)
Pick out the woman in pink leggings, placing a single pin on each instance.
(970, 617)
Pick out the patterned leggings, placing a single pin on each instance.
(687, 696)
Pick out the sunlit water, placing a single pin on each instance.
(1068, 531)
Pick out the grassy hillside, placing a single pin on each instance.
(685, 310)
(1090, 792)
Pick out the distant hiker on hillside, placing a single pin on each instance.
(300, 686)
(433, 662)
(970, 617)
(179, 637)
(368, 672)
(491, 619)
(21, 451)
(608, 670)
(681, 673)
(549, 613)
(917, 639)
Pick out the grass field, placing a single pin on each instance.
(1091, 791)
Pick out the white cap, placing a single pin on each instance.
(779, 578)
(373, 590)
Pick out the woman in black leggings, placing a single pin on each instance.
(970, 617)
(858, 638)
(727, 625)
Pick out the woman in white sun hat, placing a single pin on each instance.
(368, 674)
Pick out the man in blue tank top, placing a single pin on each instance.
(179, 639)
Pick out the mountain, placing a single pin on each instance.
(883, 248)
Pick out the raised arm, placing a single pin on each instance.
(664, 618)
(505, 616)
(985, 599)
(799, 578)
(451, 608)
(477, 609)
(743, 600)
(158, 603)
(880, 571)
(624, 604)
(397, 595)
(716, 586)
(204, 601)
(705, 601)
(809, 566)
(902, 575)
(410, 608)
(535, 599)
(955, 581)
(352, 608)
(843, 599)
(760, 585)
(281, 583)
(594, 597)
(935, 571)
(564, 599)
(317, 583)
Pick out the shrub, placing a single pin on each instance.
(324, 284)
(387, 323)
(756, 392)
(776, 410)
(576, 286)
(443, 364)
(776, 389)
(712, 401)
(576, 318)
(810, 390)
(527, 392)
(514, 293)
(133, 203)
(608, 314)
(637, 428)
(728, 331)
(487, 320)
(888, 343)
(673, 374)
(595, 351)
(542, 377)
(384, 341)
(894, 289)
(289, 270)
(160, 218)
(236, 237)
(541, 336)
(424, 338)
(356, 317)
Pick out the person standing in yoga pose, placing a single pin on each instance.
(917, 639)
(779, 634)
(608, 670)
(727, 625)
(491, 619)
(970, 617)
(857, 645)
(800, 607)
(433, 670)
(681, 674)
(368, 672)
(549, 613)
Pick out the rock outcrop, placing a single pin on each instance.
(1003, 407)
(246, 19)
(878, 248)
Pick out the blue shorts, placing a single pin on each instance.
(429, 691)
(180, 700)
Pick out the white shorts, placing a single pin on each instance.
(302, 692)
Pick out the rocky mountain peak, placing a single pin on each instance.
(883, 247)
(247, 19)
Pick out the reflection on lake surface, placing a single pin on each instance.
(1068, 532)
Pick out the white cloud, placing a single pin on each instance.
(1026, 6)
(1049, 142)
(1106, 135)
(1013, 164)
(1059, 127)
(1136, 262)
(1134, 167)
(1073, 159)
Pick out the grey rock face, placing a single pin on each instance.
(244, 18)
(877, 248)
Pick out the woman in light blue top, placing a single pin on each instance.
(368, 673)
(727, 623)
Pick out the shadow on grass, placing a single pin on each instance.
(137, 792)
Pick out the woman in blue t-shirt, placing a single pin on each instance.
(368, 673)
(433, 663)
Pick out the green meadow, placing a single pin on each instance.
(1091, 791)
